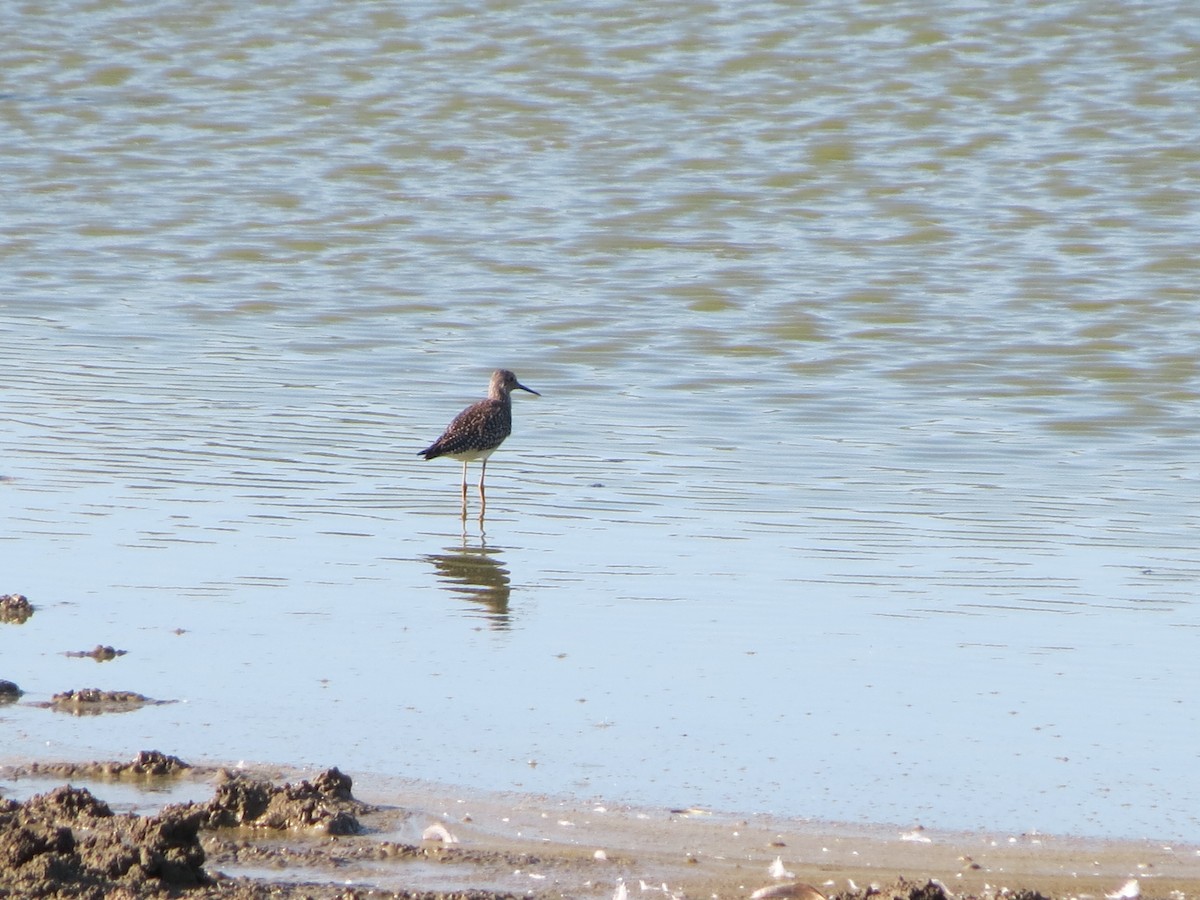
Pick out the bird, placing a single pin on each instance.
(478, 430)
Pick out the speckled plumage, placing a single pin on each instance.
(479, 429)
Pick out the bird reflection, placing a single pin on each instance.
(478, 574)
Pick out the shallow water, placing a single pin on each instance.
(863, 483)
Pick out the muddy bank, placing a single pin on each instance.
(69, 843)
(267, 837)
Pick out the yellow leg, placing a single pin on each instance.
(464, 491)
(482, 495)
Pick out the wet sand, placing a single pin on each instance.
(286, 834)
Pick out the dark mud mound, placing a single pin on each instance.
(904, 889)
(15, 608)
(69, 844)
(100, 653)
(323, 806)
(94, 702)
(147, 765)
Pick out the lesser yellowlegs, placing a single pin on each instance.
(478, 430)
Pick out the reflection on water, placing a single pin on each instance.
(96, 709)
(478, 574)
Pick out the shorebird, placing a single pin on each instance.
(478, 430)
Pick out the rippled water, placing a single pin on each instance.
(863, 484)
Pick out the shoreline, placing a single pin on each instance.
(420, 839)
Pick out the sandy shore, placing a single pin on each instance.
(286, 834)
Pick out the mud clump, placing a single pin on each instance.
(152, 763)
(324, 806)
(147, 765)
(906, 890)
(903, 889)
(94, 702)
(100, 653)
(67, 843)
(95, 695)
(15, 608)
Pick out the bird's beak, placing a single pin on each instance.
(531, 390)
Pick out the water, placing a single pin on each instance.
(863, 483)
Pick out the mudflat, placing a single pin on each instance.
(269, 833)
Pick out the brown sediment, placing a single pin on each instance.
(147, 764)
(15, 608)
(94, 702)
(315, 839)
(100, 653)
(322, 806)
(67, 843)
